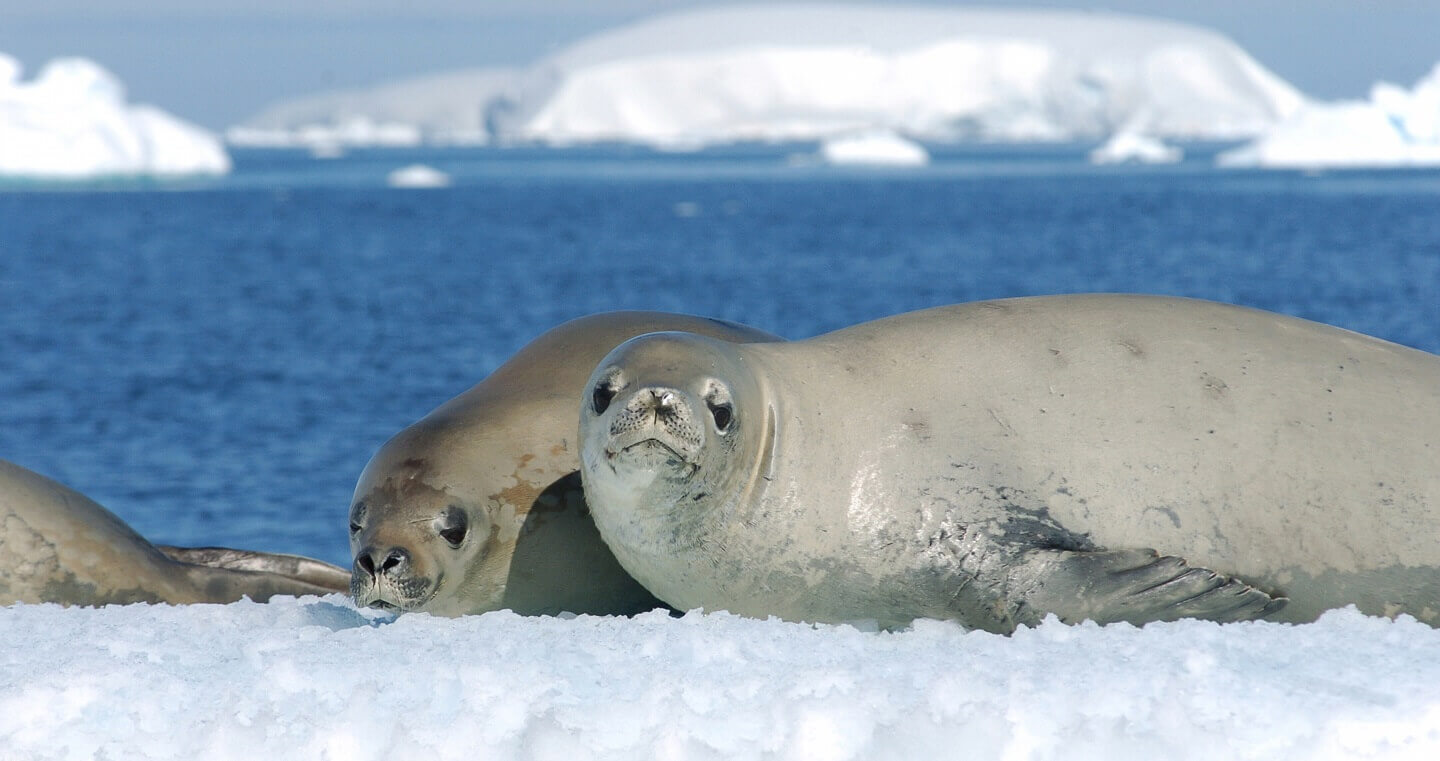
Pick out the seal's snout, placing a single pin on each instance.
(376, 561)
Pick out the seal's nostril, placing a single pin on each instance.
(395, 558)
(364, 562)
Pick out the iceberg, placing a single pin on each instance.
(1126, 147)
(1394, 128)
(417, 176)
(445, 109)
(814, 72)
(873, 149)
(315, 678)
(72, 122)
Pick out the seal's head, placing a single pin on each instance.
(672, 428)
(415, 545)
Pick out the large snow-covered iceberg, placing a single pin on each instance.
(317, 679)
(812, 72)
(1394, 128)
(72, 122)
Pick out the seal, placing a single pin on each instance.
(59, 546)
(478, 505)
(1104, 457)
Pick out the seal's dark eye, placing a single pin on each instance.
(453, 527)
(602, 396)
(722, 414)
(357, 514)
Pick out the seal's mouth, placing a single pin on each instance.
(388, 596)
(653, 443)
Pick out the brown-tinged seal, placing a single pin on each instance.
(478, 506)
(57, 545)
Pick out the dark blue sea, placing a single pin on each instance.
(216, 361)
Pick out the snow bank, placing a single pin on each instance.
(1395, 128)
(811, 72)
(72, 122)
(417, 176)
(315, 679)
(1131, 147)
(873, 149)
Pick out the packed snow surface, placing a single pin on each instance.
(1394, 128)
(873, 149)
(417, 176)
(72, 122)
(315, 678)
(1127, 147)
(810, 72)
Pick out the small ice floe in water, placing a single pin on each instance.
(879, 148)
(687, 209)
(418, 176)
(1125, 147)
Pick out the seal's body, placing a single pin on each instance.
(59, 546)
(478, 505)
(997, 461)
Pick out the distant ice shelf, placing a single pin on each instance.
(1394, 128)
(813, 72)
(72, 122)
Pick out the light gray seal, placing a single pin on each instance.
(478, 505)
(59, 546)
(995, 462)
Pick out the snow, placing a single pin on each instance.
(812, 72)
(873, 149)
(418, 176)
(1394, 128)
(315, 678)
(1132, 147)
(72, 122)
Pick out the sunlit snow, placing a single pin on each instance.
(316, 679)
(1394, 128)
(72, 122)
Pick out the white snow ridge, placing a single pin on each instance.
(72, 122)
(317, 679)
(813, 72)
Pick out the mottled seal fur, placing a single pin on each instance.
(1105, 457)
(59, 546)
(478, 505)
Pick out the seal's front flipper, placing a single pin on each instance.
(305, 575)
(1137, 586)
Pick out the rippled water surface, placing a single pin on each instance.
(216, 362)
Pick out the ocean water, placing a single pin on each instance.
(215, 361)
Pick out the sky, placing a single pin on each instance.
(217, 62)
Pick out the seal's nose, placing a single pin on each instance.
(373, 561)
